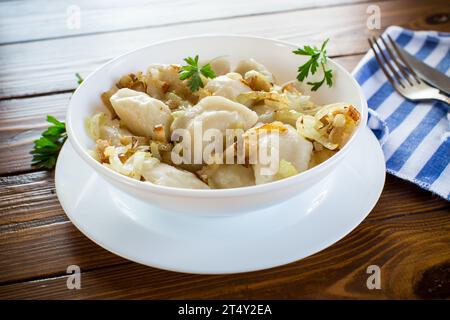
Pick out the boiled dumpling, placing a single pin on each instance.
(223, 176)
(220, 65)
(294, 153)
(247, 65)
(163, 174)
(216, 112)
(213, 112)
(229, 86)
(142, 114)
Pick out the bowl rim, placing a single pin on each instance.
(187, 192)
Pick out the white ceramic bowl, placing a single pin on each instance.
(276, 55)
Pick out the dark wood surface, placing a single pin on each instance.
(407, 234)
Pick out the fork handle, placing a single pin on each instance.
(442, 97)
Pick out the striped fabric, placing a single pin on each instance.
(414, 136)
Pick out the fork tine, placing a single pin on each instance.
(394, 59)
(386, 73)
(405, 65)
(388, 63)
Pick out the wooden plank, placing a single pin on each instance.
(53, 19)
(42, 250)
(402, 198)
(26, 198)
(51, 249)
(412, 252)
(23, 120)
(49, 66)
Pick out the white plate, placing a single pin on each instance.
(257, 240)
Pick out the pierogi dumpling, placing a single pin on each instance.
(163, 174)
(216, 112)
(247, 65)
(229, 86)
(223, 176)
(220, 65)
(292, 149)
(142, 114)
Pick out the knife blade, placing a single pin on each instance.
(427, 73)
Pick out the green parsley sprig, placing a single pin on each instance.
(47, 147)
(193, 72)
(79, 78)
(318, 59)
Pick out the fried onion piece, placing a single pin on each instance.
(100, 150)
(279, 101)
(162, 79)
(257, 81)
(273, 99)
(332, 126)
(250, 138)
(106, 96)
(133, 81)
(286, 169)
(287, 116)
(101, 126)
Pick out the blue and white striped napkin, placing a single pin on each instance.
(415, 137)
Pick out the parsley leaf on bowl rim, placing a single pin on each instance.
(318, 59)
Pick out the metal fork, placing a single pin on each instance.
(400, 74)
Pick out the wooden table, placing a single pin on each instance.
(407, 234)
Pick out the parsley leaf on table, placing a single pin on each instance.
(79, 78)
(46, 148)
(193, 72)
(318, 60)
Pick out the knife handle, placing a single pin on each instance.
(441, 97)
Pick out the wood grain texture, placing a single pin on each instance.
(47, 250)
(50, 65)
(53, 19)
(404, 248)
(21, 122)
(26, 198)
